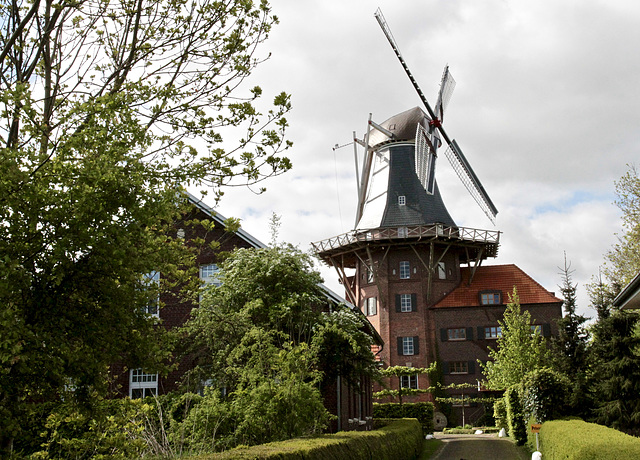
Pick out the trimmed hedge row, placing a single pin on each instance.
(399, 439)
(576, 439)
(423, 411)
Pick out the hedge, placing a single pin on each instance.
(423, 411)
(401, 438)
(576, 439)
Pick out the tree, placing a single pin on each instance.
(269, 335)
(615, 370)
(519, 349)
(109, 109)
(623, 260)
(570, 346)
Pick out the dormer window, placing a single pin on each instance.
(490, 298)
(402, 200)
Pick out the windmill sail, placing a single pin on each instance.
(425, 160)
(454, 153)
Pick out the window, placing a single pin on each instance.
(405, 270)
(458, 333)
(458, 367)
(209, 274)
(371, 306)
(408, 346)
(153, 280)
(403, 232)
(369, 275)
(402, 200)
(442, 272)
(492, 332)
(142, 384)
(536, 329)
(409, 381)
(406, 303)
(490, 298)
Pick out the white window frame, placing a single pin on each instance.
(210, 274)
(405, 270)
(405, 303)
(403, 232)
(457, 333)
(408, 348)
(142, 384)
(153, 307)
(409, 381)
(536, 329)
(371, 306)
(442, 271)
(402, 200)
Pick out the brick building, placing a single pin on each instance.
(414, 272)
(352, 407)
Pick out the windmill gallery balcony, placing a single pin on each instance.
(460, 236)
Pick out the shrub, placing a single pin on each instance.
(398, 439)
(576, 439)
(423, 411)
(515, 415)
(500, 413)
(545, 394)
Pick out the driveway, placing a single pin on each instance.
(478, 447)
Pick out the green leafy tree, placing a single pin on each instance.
(108, 109)
(623, 259)
(269, 335)
(519, 348)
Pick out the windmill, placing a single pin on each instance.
(425, 141)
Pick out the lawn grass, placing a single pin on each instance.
(429, 447)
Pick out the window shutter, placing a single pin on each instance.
(471, 367)
(398, 310)
(480, 332)
(469, 333)
(444, 336)
(416, 345)
(375, 306)
(414, 302)
(400, 352)
(445, 367)
(546, 330)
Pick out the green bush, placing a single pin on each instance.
(500, 413)
(545, 394)
(515, 415)
(110, 430)
(423, 411)
(576, 439)
(399, 439)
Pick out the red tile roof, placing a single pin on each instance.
(499, 278)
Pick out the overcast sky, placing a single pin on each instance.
(546, 109)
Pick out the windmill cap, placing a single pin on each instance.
(403, 126)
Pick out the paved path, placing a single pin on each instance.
(478, 447)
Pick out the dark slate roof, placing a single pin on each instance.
(421, 208)
(497, 278)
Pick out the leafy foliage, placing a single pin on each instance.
(270, 337)
(423, 411)
(108, 109)
(516, 420)
(519, 350)
(545, 394)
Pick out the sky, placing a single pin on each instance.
(546, 109)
